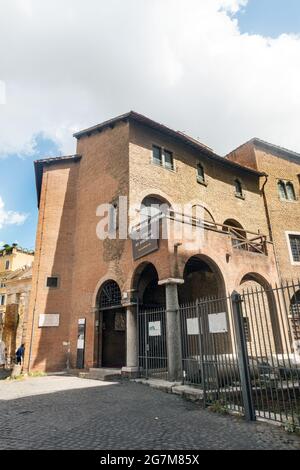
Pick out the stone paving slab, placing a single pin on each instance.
(11, 390)
(129, 415)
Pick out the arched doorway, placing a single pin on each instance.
(262, 325)
(111, 338)
(202, 279)
(145, 283)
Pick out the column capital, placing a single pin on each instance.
(170, 280)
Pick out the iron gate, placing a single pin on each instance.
(153, 361)
(243, 351)
(209, 354)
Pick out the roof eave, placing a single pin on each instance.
(134, 116)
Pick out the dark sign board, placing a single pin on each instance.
(143, 244)
(80, 343)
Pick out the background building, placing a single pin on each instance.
(12, 258)
(18, 288)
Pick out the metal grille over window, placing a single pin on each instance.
(295, 247)
(110, 295)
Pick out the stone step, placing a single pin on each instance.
(101, 374)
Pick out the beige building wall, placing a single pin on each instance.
(17, 259)
(284, 216)
(18, 288)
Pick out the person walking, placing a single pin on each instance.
(20, 354)
(2, 354)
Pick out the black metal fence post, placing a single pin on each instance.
(201, 353)
(243, 359)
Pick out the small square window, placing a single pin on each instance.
(52, 282)
(169, 164)
(157, 155)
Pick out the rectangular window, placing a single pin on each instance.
(52, 282)
(163, 157)
(7, 265)
(157, 155)
(295, 247)
(168, 163)
(2, 300)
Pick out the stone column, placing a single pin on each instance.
(173, 329)
(131, 342)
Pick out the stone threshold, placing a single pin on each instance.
(186, 391)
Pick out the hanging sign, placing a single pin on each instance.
(154, 328)
(192, 326)
(217, 323)
(142, 242)
(80, 343)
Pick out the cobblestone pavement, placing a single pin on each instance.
(123, 416)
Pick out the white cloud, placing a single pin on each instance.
(10, 217)
(71, 64)
(232, 6)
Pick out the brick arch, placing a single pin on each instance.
(203, 278)
(261, 302)
(100, 283)
(156, 193)
(145, 281)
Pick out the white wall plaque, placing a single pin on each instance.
(48, 320)
(81, 321)
(192, 325)
(154, 328)
(217, 323)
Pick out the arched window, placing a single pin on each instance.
(237, 232)
(290, 191)
(295, 315)
(238, 188)
(200, 173)
(152, 206)
(282, 190)
(109, 295)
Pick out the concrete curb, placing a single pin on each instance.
(190, 393)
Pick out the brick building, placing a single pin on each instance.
(86, 290)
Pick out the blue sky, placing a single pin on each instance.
(19, 194)
(270, 17)
(93, 62)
